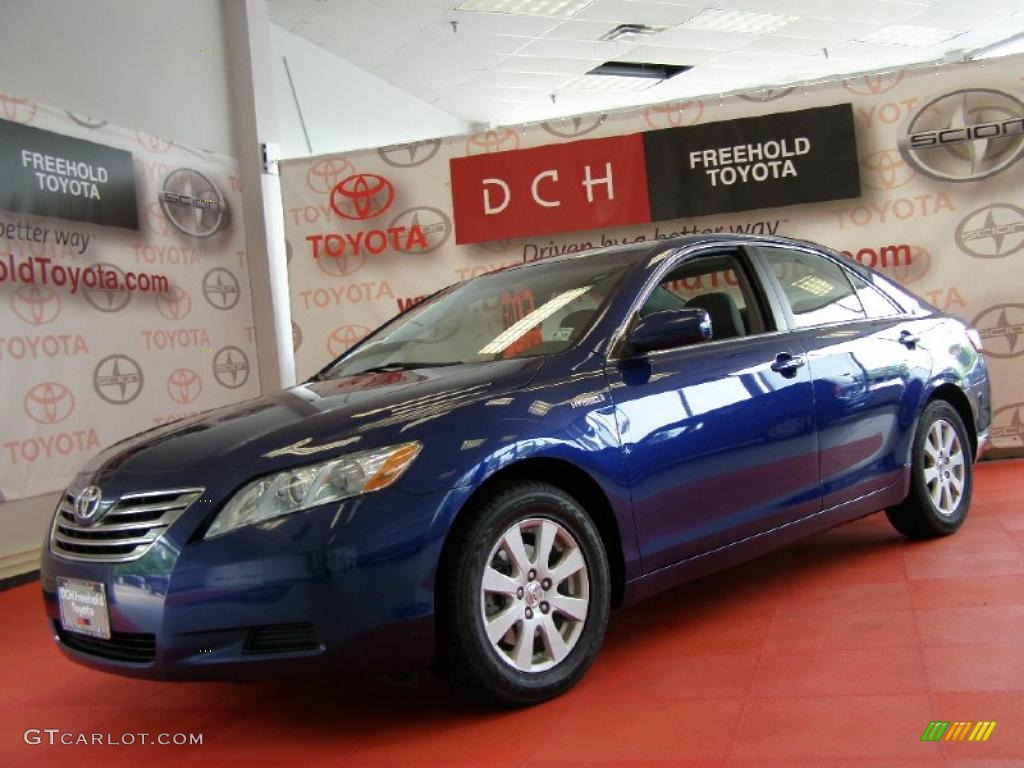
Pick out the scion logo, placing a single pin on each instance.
(487, 142)
(86, 121)
(117, 379)
(17, 109)
(432, 222)
(884, 170)
(344, 337)
(296, 336)
(1002, 330)
(325, 173)
(49, 402)
(992, 232)
(767, 94)
(872, 85)
(109, 299)
(153, 144)
(175, 304)
(1007, 429)
(409, 155)
(192, 203)
(966, 135)
(184, 385)
(673, 115)
(230, 367)
(575, 127)
(220, 288)
(35, 304)
(362, 196)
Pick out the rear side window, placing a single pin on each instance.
(817, 290)
(875, 302)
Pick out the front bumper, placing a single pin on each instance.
(337, 586)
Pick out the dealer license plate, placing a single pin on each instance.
(83, 607)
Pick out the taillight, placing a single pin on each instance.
(975, 338)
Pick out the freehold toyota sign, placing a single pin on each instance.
(774, 160)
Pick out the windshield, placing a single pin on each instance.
(537, 310)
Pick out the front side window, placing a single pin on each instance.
(817, 290)
(719, 285)
(537, 310)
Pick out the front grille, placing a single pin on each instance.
(125, 531)
(122, 646)
(281, 638)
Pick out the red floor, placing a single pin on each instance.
(837, 653)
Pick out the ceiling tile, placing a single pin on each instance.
(546, 65)
(794, 46)
(501, 23)
(439, 39)
(794, 7)
(544, 81)
(704, 39)
(953, 16)
(575, 49)
(663, 54)
(827, 29)
(872, 11)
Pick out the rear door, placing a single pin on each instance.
(861, 354)
(718, 437)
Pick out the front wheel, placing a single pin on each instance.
(942, 476)
(523, 598)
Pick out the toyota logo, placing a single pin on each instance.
(410, 155)
(992, 232)
(966, 135)
(673, 115)
(488, 142)
(344, 337)
(342, 266)
(325, 173)
(574, 127)
(1001, 328)
(873, 85)
(175, 304)
(18, 109)
(1007, 430)
(220, 287)
(230, 367)
(434, 222)
(884, 170)
(117, 379)
(184, 385)
(88, 504)
(296, 336)
(193, 203)
(49, 402)
(109, 299)
(362, 196)
(35, 304)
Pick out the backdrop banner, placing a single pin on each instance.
(127, 304)
(938, 160)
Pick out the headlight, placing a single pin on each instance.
(304, 487)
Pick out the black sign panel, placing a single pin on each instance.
(49, 174)
(754, 162)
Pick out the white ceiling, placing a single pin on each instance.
(503, 68)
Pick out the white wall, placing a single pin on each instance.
(345, 107)
(158, 66)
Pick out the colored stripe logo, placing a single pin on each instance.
(958, 731)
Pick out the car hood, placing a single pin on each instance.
(314, 420)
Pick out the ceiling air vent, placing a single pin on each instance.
(624, 76)
(630, 33)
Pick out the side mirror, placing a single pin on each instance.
(671, 328)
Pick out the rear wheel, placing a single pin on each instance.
(523, 599)
(942, 476)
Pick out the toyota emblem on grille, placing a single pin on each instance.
(88, 503)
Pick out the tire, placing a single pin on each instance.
(519, 640)
(942, 476)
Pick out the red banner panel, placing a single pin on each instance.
(578, 186)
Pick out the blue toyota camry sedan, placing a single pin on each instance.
(482, 479)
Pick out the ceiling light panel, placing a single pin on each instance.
(556, 9)
(611, 83)
(744, 22)
(914, 37)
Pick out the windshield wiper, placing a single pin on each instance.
(408, 366)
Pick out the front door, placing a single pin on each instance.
(718, 437)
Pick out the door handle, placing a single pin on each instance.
(787, 364)
(909, 339)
